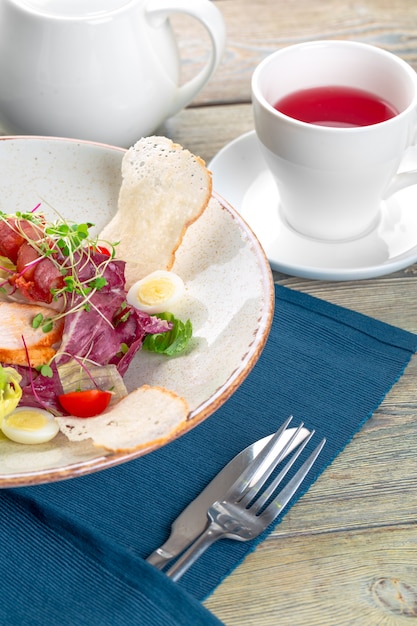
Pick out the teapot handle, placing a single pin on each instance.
(158, 11)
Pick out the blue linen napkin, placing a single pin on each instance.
(72, 552)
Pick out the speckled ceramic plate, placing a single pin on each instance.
(227, 275)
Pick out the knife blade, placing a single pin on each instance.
(193, 520)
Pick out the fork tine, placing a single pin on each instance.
(270, 490)
(284, 496)
(255, 475)
(262, 474)
(241, 483)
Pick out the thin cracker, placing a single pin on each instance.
(165, 188)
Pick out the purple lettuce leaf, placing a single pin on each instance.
(110, 331)
(40, 391)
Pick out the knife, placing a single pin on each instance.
(193, 519)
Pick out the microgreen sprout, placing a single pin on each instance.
(46, 370)
(70, 248)
(46, 323)
(68, 237)
(98, 282)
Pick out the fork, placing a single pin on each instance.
(244, 513)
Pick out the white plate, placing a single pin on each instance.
(227, 275)
(241, 176)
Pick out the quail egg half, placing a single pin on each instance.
(30, 425)
(158, 292)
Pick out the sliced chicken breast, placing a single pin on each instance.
(18, 338)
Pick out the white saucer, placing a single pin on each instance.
(241, 177)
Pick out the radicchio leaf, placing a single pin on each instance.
(99, 333)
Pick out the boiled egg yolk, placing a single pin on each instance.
(30, 425)
(156, 293)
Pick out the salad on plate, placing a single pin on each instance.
(76, 309)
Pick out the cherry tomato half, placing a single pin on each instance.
(85, 403)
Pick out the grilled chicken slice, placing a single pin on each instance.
(18, 338)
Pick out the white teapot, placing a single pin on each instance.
(102, 70)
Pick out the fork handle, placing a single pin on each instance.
(212, 533)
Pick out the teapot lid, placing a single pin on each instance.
(72, 8)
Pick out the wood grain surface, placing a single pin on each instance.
(346, 553)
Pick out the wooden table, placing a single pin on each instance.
(346, 553)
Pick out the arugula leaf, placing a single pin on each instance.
(173, 341)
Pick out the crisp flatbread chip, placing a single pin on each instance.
(165, 188)
(147, 416)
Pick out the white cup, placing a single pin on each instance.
(332, 180)
(102, 70)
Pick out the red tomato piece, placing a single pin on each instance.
(101, 249)
(85, 403)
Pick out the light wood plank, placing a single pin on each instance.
(311, 582)
(255, 29)
(205, 130)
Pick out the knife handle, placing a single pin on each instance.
(212, 533)
(159, 558)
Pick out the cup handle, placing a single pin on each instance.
(401, 180)
(407, 178)
(158, 11)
